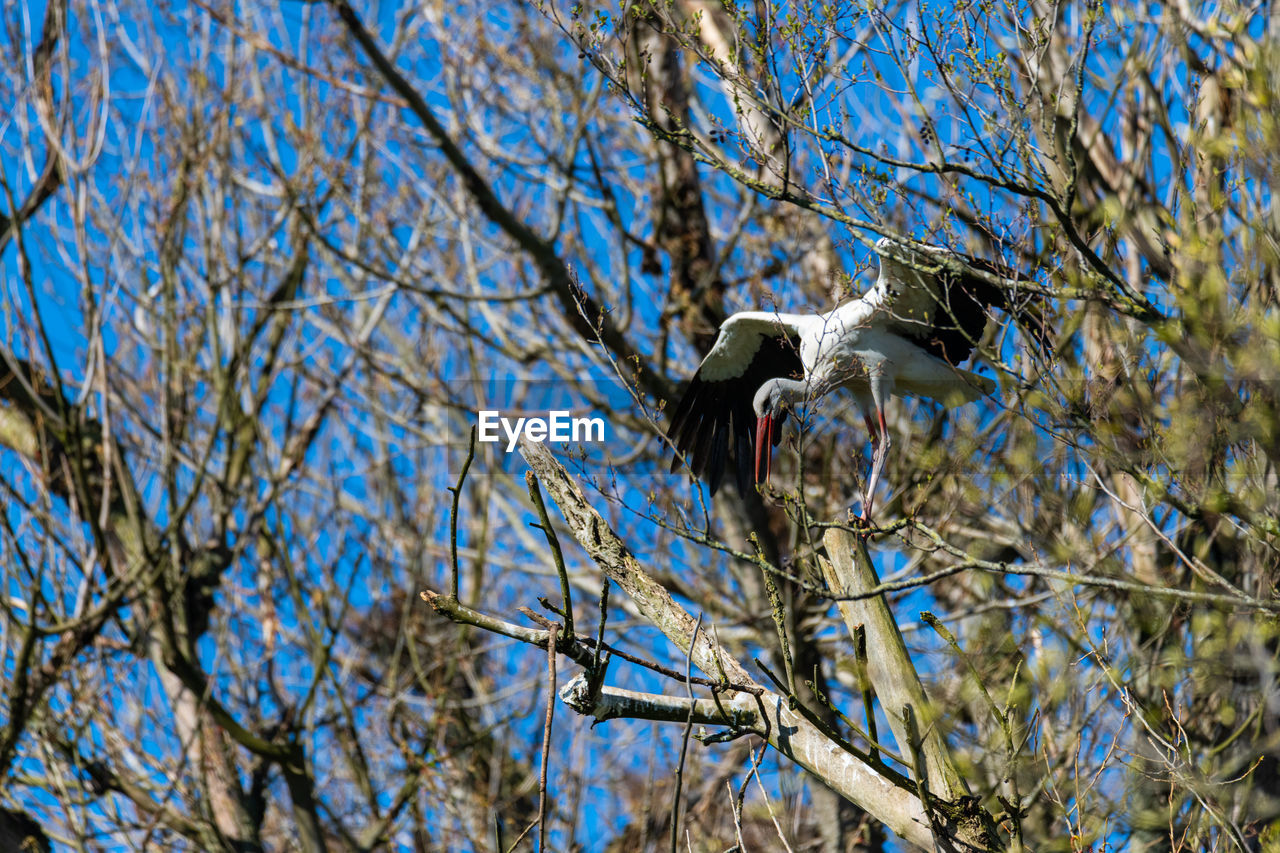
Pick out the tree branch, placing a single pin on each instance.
(612, 703)
(588, 318)
(791, 734)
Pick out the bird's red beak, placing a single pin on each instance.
(764, 447)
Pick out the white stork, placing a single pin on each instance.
(906, 336)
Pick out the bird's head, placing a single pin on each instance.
(771, 404)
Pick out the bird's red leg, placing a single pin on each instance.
(871, 427)
(877, 463)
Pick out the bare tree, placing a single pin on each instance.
(264, 263)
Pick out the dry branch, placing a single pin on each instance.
(848, 571)
(613, 702)
(791, 734)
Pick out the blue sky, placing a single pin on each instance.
(403, 170)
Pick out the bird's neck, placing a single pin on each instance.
(793, 391)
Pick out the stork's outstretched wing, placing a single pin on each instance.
(945, 313)
(715, 411)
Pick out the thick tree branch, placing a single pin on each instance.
(611, 703)
(848, 571)
(789, 732)
(588, 318)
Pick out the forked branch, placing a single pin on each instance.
(847, 773)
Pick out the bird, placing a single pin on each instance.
(906, 336)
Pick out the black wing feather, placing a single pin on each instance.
(961, 314)
(715, 417)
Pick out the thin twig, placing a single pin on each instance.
(544, 524)
(737, 816)
(684, 743)
(864, 686)
(755, 771)
(460, 613)
(779, 618)
(453, 517)
(546, 739)
(878, 749)
(756, 757)
(922, 781)
(823, 726)
(597, 670)
(1001, 716)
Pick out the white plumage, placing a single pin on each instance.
(905, 336)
